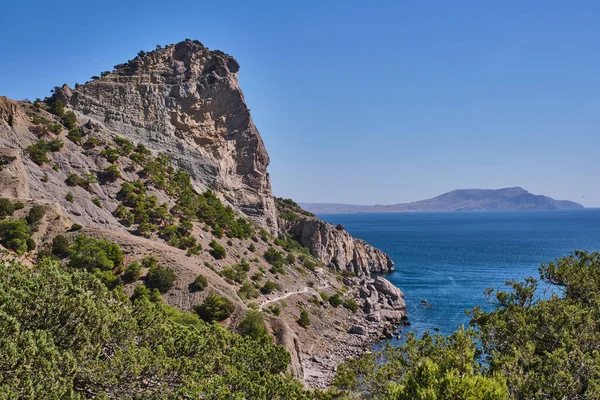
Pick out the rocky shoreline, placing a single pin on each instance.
(382, 313)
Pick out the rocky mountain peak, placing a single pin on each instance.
(185, 100)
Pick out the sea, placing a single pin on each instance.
(445, 261)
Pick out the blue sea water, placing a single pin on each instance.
(449, 259)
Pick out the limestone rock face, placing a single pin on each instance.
(338, 249)
(185, 100)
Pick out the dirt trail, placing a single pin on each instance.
(306, 289)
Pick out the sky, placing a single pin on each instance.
(360, 102)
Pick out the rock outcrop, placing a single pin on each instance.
(337, 248)
(185, 100)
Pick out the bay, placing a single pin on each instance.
(449, 259)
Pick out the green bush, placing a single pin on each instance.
(39, 150)
(35, 215)
(112, 173)
(351, 305)
(73, 180)
(69, 197)
(111, 154)
(7, 208)
(215, 308)
(273, 256)
(142, 292)
(125, 146)
(253, 325)
(55, 128)
(15, 235)
(70, 120)
(75, 136)
(132, 272)
(97, 202)
(335, 300)
(304, 320)
(237, 272)
(269, 287)
(60, 246)
(218, 251)
(91, 143)
(248, 291)
(101, 257)
(84, 182)
(274, 309)
(200, 283)
(160, 278)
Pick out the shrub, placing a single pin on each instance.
(73, 180)
(39, 150)
(351, 305)
(215, 308)
(111, 154)
(60, 246)
(290, 259)
(56, 107)
(91, 143)
(237, 272)
(142, 292)
(273, 256)
(75, 136)
(55, 128)
(35, 215)
(248, 291)
(275, 310)
(45, 178)
(15, 235)
(269, 287)
(112, 173)
(125, 216)
(69, 197)
(252, 247)
(70, 120)
(97, 202)
(98, 256)
(125, 146)
(84, 182)
(7, 208)
(76, 227)
(335, 300)
(160, 278)
(304, 320)
(218, 251)
(132, 272)
(200, 283)
(253, 325)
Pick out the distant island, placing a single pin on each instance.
(506, 199)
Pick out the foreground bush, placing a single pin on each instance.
(215, 308)
(76, 339)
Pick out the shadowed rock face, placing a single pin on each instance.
(185, 100)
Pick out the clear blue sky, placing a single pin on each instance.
(364, 102)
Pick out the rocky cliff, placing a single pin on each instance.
(185, 100)
(114, 160)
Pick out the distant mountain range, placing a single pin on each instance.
(506, 199)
